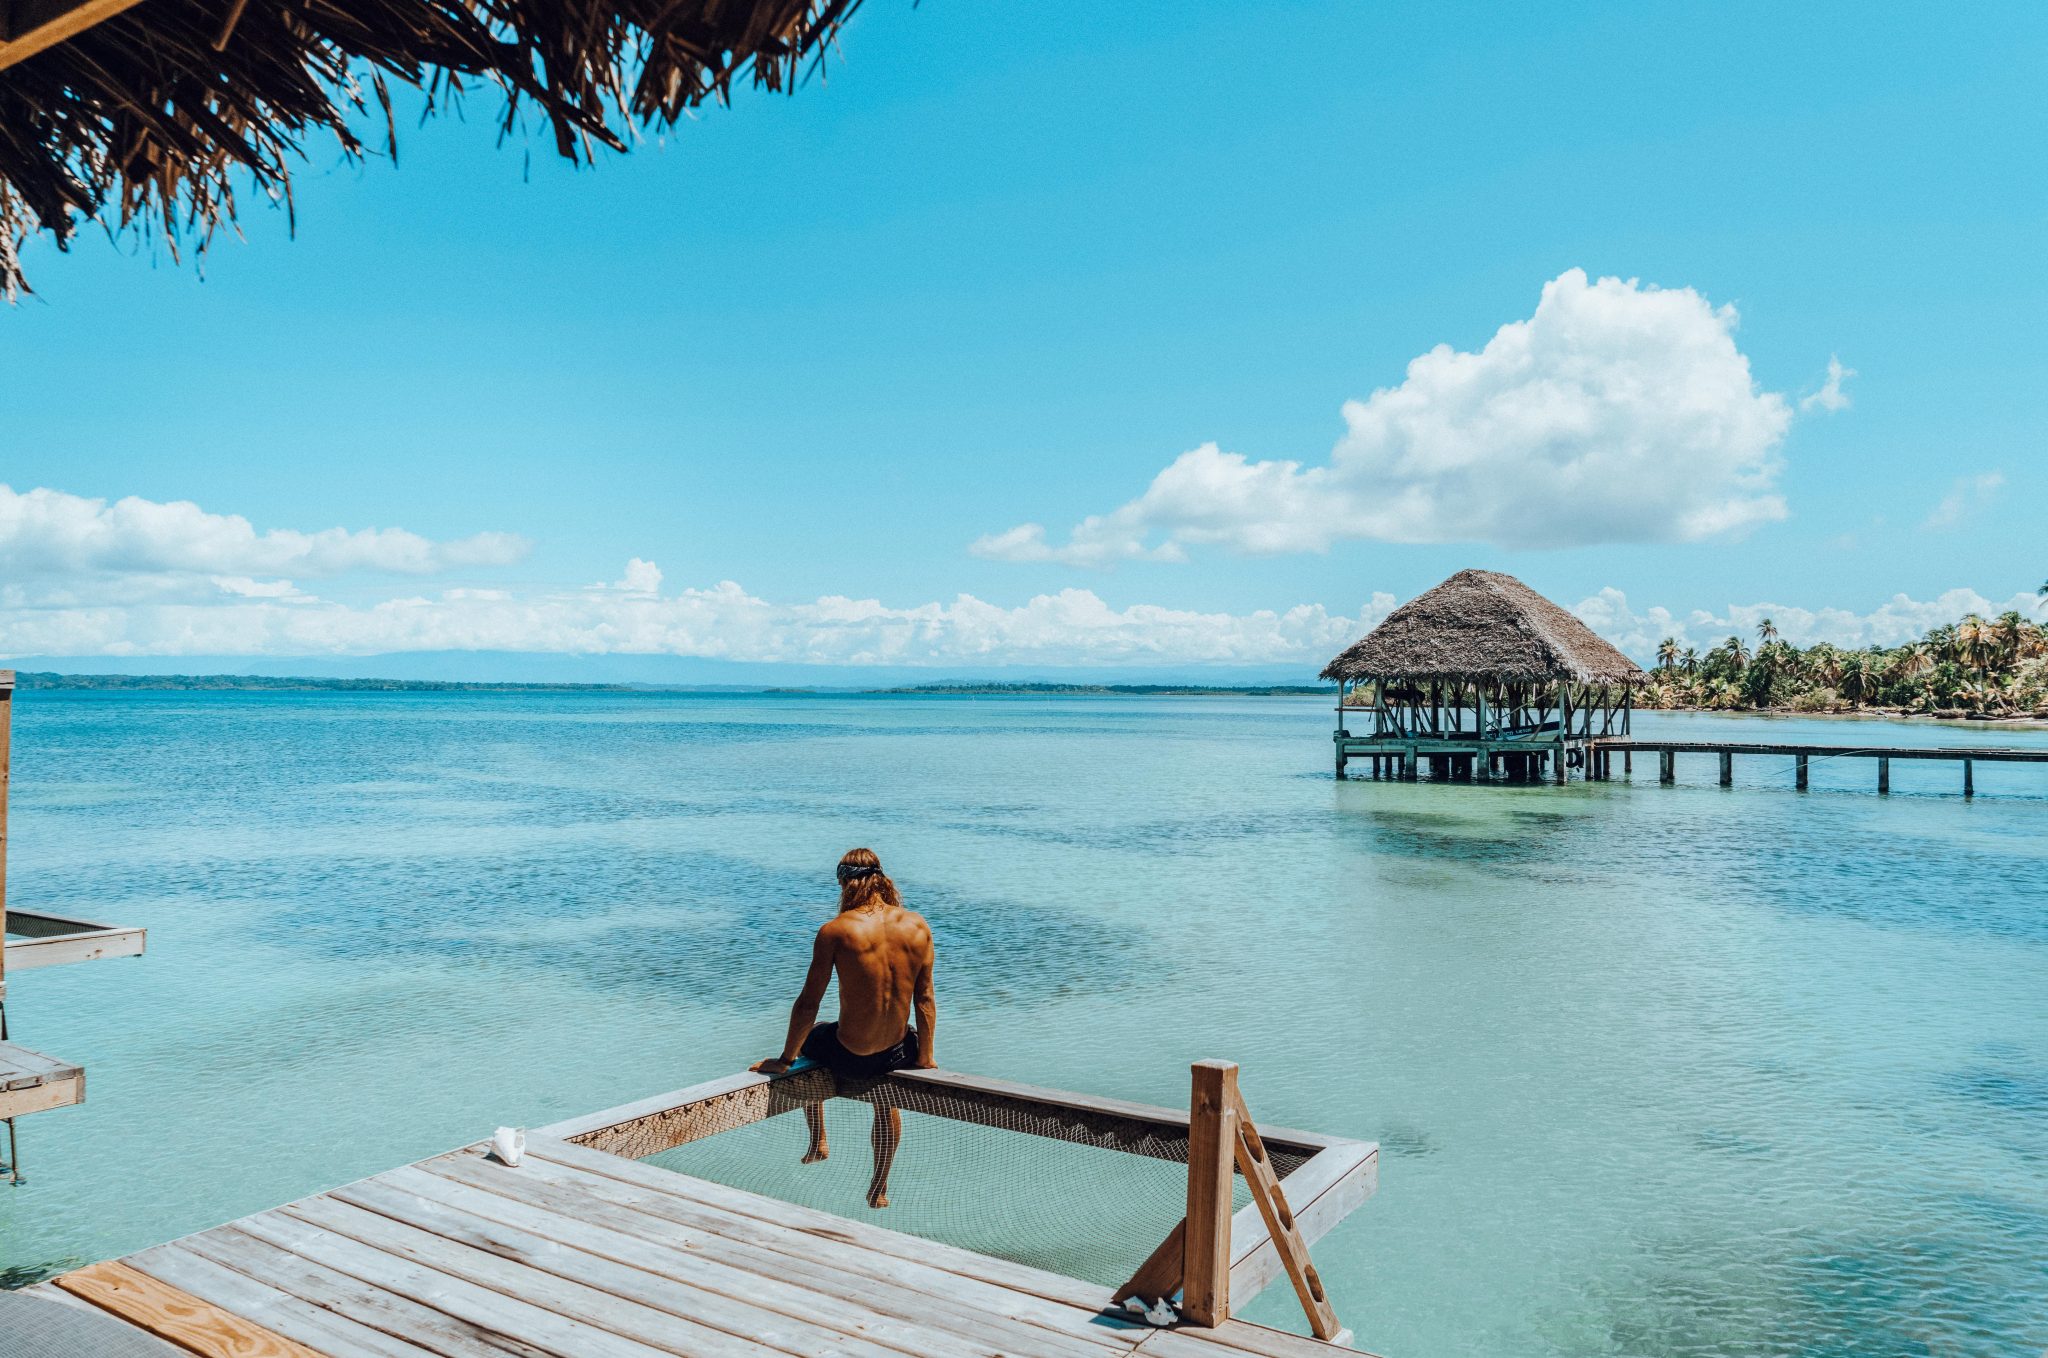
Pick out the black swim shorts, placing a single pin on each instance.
(823, 1046)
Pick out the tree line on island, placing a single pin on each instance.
(1978, 667)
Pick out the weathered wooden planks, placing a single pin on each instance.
(212, 1268)
(31, 1082)
(177, 1316)
(582, 1253)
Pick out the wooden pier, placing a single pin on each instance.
(31, 1082)
(1600, 763)
(580, 1251)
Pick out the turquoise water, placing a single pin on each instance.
(1657, 1071)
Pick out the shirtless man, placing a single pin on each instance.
(882, 955)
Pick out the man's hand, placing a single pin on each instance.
(774, 1065)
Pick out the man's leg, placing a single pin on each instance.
(888, 1132)
(814, 1118)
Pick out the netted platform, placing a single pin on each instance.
(590, 1248)
(1002, 1188)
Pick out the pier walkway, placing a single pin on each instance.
(1600, 762)
(582, 1252)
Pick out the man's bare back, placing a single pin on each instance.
(882, 956)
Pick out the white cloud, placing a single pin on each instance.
(1965, 497)
(48, 534)
(1615, 413)
(1902, 618)
(1073, 627)
(1830, 397)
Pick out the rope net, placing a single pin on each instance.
(1058, 1192)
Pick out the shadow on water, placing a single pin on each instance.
(710, 928)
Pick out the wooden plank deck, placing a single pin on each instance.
(578, 1253)
(31, 1082)
(582, 1252)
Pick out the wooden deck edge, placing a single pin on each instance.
(175, 1316)
(58, 949)
(1321, 1193)
(663, 1121)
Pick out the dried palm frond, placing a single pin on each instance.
(144, 121)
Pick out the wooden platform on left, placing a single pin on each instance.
(31, 1082)
(582, 1253)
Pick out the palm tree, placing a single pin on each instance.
(1915, 660)
(1975, 642)
(2008, 632)
(1667, 653)
(1824, 664)
(1738, 654)
(1689, 660)
(1767, 631)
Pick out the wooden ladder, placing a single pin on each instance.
(1194, 1260)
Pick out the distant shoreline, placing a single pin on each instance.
(264, 683)
(249, 683)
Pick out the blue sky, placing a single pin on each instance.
(1008, 264)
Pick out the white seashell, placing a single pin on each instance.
(509, 1144)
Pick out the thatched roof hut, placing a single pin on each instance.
(1488, 628)
(137, 113)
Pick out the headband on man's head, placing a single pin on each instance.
(853, 872)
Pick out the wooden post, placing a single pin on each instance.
(1212, 1136)
(1628, 757)
(1799, 773)
(1558, 772)
(1969, 779)
(1884, 775)
(1727, 769)
(6, 755)
(1667, 766)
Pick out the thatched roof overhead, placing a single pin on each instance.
(1482, 625)
(138, 113)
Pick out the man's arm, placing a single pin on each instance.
(926, 1006)
(804, 1013)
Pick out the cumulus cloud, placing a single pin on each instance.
(51, 535)
(1617, 412)
(1902, 618)
(1965, 497)
(1830, 396)
(724, 621)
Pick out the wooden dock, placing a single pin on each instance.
(582, 1252)
(31, 1082)
(1600, 764)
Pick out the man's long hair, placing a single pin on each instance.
(863, 881)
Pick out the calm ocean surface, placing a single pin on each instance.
(1657, 1071)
